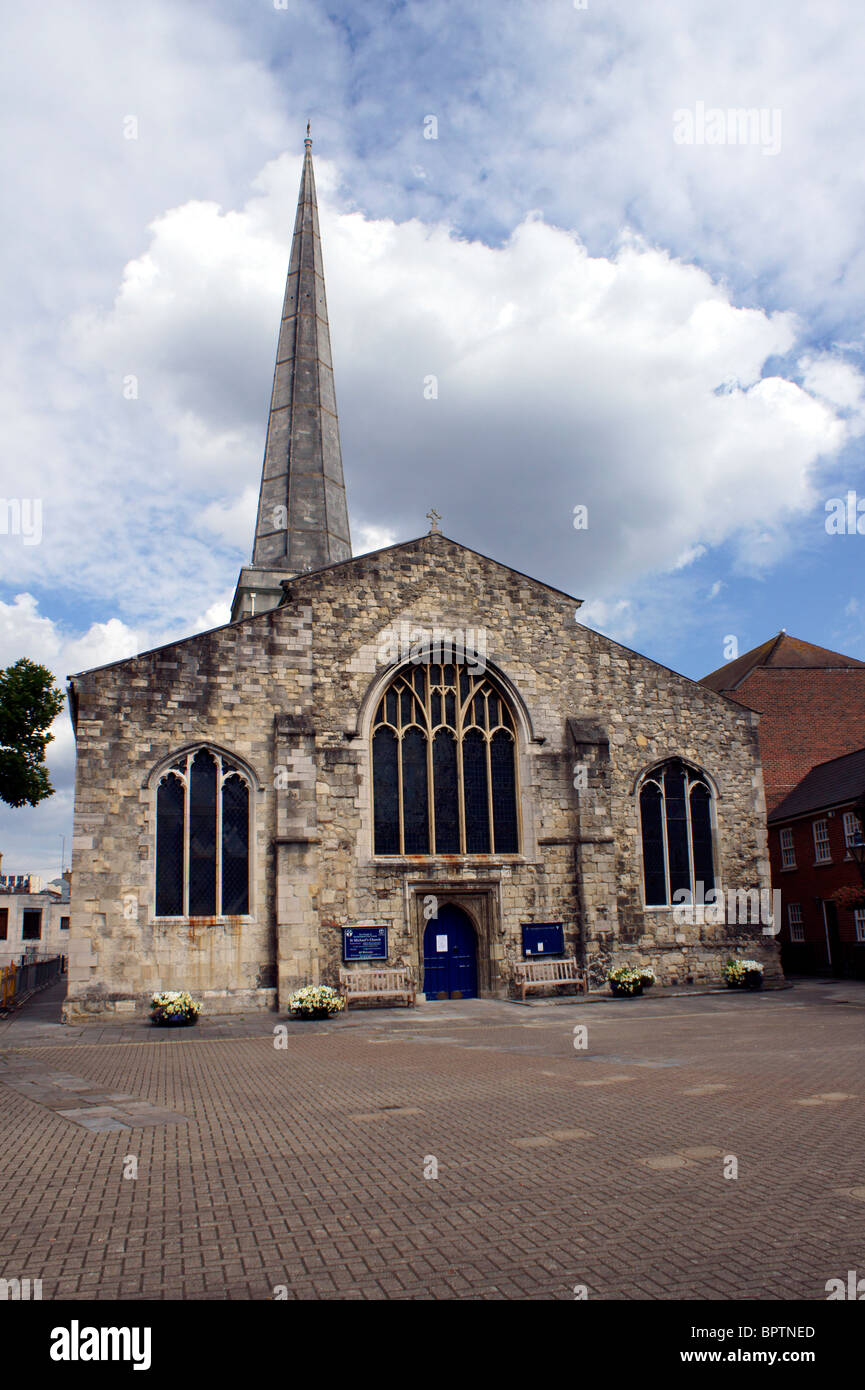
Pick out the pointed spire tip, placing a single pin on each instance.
(302, 522)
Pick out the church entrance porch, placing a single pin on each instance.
(450, 964)
(469, 915)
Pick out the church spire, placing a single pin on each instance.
(302, 521)
(302, 513)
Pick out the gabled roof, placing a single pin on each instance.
(837, 782)
(779, 651)
(435, 537)
(300, 585)
(309, 578)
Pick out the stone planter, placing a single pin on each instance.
(173, 1022)
(623, 991)
(752, 980)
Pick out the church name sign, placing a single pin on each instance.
(364, 943)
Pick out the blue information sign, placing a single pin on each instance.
(364, 943)
(543, 938)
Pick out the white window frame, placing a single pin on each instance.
(822, 842)
(794, 922)
(852, 831)
(788, 848)
(859, 920)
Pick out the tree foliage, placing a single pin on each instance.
(29, 703)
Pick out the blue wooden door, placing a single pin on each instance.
(450, 956)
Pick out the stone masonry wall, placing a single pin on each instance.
(291, 694)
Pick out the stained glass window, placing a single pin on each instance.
(170, 800)
(445, 780)
(444, 764)
(676, 825)
(202, 838)
(651, 812)
(235, 847)
(385, 788)
(701, 835)
(475, 791)
(415, 811)
(675, 805)
(504, 791)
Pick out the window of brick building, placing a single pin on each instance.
(852, 831)
(822, 850)
(859, 917)
(31, 924)
(794, 920)
(788, 852)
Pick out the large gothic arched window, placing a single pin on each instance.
(676, 824)
(444, 765)
(202, 838)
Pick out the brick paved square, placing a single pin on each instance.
(472, 1157)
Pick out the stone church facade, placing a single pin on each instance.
(420, 739)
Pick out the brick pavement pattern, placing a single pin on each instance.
(300, 1171)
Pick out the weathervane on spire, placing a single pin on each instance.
(308, 141)
(434, 520)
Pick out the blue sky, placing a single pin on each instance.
(668, 333)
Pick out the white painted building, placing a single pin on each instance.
(34, 924)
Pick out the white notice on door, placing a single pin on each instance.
(441, 943)
(540, 945)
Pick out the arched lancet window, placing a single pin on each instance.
(444, 765)
(202, 838)
(676, 824)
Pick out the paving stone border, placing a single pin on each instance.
(96, 1109)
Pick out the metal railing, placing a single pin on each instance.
(18, 982)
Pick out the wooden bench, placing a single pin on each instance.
(377, 984)
(538, 974)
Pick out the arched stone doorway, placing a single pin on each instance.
(450, 955)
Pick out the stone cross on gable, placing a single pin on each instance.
(434, 520)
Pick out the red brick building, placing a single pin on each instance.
(811, 703)
(816, 846)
